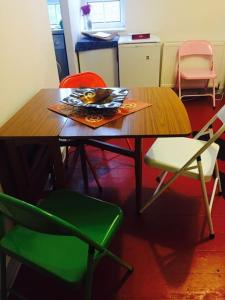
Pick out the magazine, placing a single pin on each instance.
(101, 35)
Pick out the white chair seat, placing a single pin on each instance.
(170, 154)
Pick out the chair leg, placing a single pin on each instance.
(83, 165)
(129, 143)
(120, 261)
(206, 200)
(90, 271)
(3, 276)
(218, 176)
(75, 158)
(80, 150)
(67, 157)
(93, 172)
(159, 177)
(159, 190)
(162, 177)
(214, 94)
(179, 86)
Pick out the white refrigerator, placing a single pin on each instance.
(139, 62)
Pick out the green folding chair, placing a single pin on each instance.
(65, 236)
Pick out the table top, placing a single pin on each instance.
(34, 119)
(165, 117)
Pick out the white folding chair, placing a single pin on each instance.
(189, 157)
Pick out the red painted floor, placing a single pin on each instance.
(167, 245)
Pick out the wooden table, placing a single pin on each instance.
(165, 117)
(33, 124)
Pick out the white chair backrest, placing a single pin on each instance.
(221, 114)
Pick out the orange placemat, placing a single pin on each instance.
(129, 106)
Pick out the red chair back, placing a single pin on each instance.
(82, 80)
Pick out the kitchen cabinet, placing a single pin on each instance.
(100, 57)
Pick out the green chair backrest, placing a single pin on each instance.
(37, 219)
(31, 216)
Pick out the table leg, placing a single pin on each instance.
(56, 157)
(83, 164)
(25, 164)
(138, 171)
(8, 181)
(136, 154)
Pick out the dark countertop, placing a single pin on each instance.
(58, 31)
(89, 43)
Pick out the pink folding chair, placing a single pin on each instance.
(197, 48)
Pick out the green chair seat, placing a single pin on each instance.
(61, 256)
(99, 220)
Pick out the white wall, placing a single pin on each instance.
(177, 20)
(70, 10)
(27, 58)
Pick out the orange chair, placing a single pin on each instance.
(81, 80)
(196, 48)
